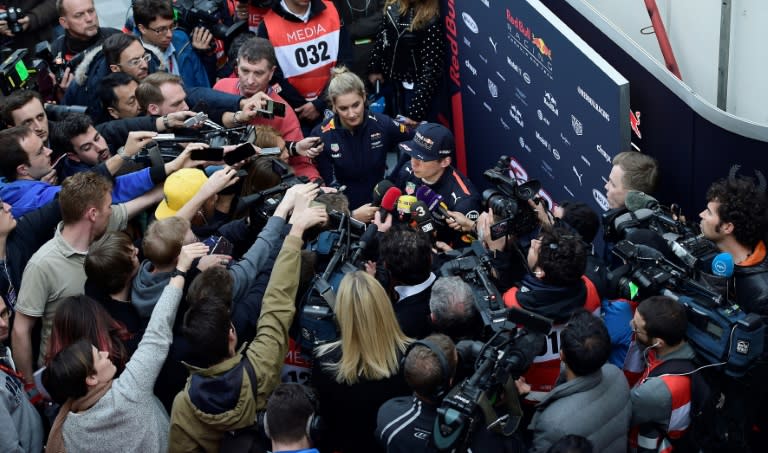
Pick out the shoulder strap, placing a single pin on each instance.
(251, 372)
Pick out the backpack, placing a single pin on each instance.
(706, 430)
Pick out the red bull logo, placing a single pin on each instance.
(634, 123)
(539, 43)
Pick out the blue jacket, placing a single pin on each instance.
(191, 68)
(25, 195)
(358, 158)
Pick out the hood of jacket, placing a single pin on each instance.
(221, 394)
(147, 288)
(555, 302)
(94, 57)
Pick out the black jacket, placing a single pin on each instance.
(417, 56)
(751, 287)
(68, 47)
(412, 313)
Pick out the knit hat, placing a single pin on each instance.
(179, 188)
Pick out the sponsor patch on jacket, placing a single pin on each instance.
(410, 188)
(328, 127)
(376, 136)
(335, 147)
(276, 88)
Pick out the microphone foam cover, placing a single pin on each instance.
(389, 200)
(722, 265)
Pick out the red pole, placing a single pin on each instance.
(661, 36)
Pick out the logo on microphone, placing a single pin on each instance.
(470, 23)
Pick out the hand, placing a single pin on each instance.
(365, 213)
(303, 193)
(484, 223)
(374, 77)
(220, 180)
(310, 147)
(189, 253)
(307, 112)
(370, 268)
(459, 222)
(256, 102)
(51, 178)
(523, 388)
(382, 226)
(209, 261)
(441, 246)
(136, 141)
(201, 38)
(66, 79)
(408, 122)
(176, 119)
(306, 219)
(541, 213)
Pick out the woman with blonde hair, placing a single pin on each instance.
(355, 375)
(355, 142)
(409, 53)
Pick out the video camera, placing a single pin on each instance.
(721, 333)
(509, 201)
(19, 71)
(12, 16)
(207, 14)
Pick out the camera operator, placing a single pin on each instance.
(631, 170)
(405, 423)
(407, 256)
(36, 20)
(290, 418)
(189, 59)
(555, 287)
(81, 29)
(430, 154)
(661, 400)
(452, 309)
(736, 220)
(593, 389)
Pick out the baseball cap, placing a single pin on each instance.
(432, 142)
(178, 189)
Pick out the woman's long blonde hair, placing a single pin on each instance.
(425, 11)
(371, 339)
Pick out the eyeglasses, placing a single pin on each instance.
(133, 62)
(163, 30)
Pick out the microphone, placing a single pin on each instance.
(638, 200)
(404, 204)
(722, 265)
(433, 201)
(379, 190)
(365, 239)
(423, 219)
(388, 202)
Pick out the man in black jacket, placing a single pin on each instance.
(81, 29)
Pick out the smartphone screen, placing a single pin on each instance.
(274, 151)
(242, 152)
(278, 109)
(210, 154)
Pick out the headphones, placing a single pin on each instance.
(445, 372)
(314, 422)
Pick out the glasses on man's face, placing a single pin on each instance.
(163, 30)
(134, 62)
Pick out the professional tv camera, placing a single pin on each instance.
(720, 332)
(506, 356)
(509, 201)
(20, 71)
(207, 14)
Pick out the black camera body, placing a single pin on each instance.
(12, 16)
(509, 201)
(207, 14)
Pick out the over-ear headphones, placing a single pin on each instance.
(314, 422)
(445, 372)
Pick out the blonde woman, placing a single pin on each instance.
(355, 375)
(355, 142)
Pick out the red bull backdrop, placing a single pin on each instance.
(526, 86)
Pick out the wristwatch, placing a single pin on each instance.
(178, 272)
(122, 154)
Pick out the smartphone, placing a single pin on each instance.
(272, 109)
(193, 121)
(209, 154)
(274, 151)
(242, 152)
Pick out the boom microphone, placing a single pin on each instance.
(433, 201)
(640, 200)
(388, 202)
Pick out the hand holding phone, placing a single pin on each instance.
(208, 154)
(242, 152)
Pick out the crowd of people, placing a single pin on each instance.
(160, 302)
